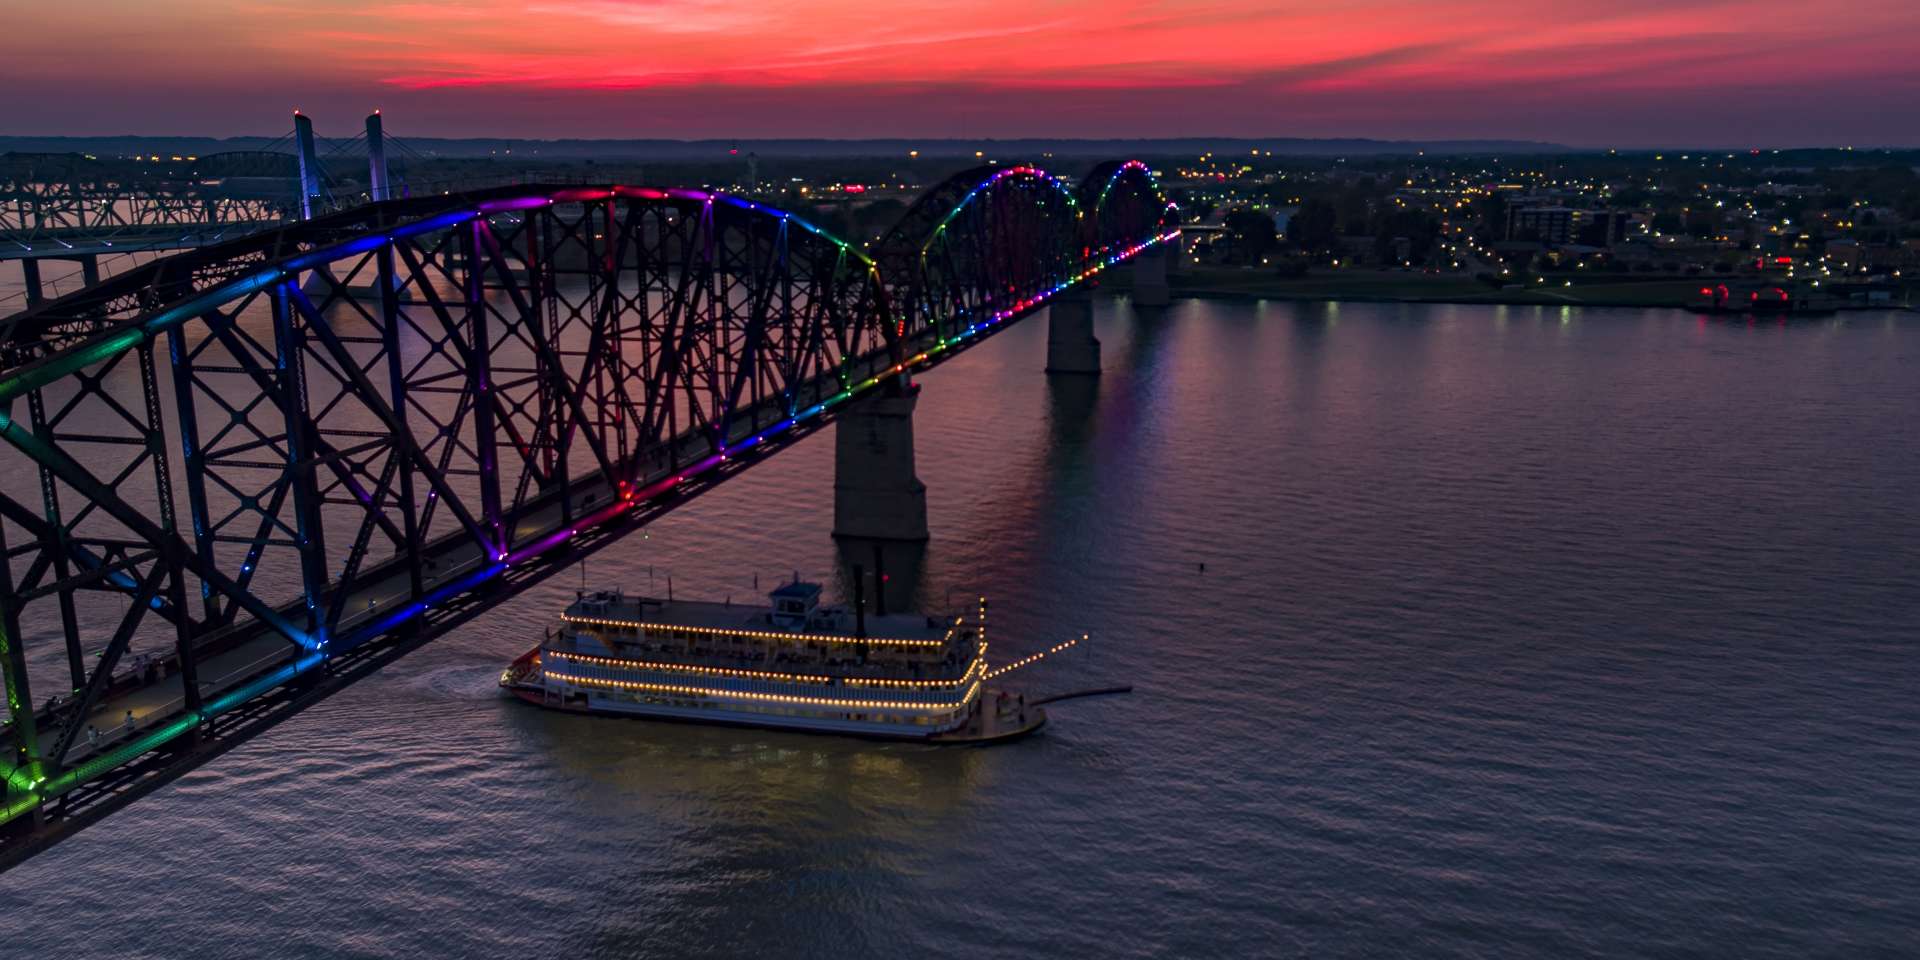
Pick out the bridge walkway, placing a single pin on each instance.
(161, 700)
(255, 652)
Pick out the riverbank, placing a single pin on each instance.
(1391, 286)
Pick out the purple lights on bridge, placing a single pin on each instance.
(371, 446)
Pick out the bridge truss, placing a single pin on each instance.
(53, 204)
(279, 462)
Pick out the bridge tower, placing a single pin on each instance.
(1071, 345)
(876, 495)
(309, 164)
(377, 188)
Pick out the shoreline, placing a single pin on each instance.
(1502, 301)
(1650, 294)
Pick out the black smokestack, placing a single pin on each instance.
(859, 602)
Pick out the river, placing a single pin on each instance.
(1456, 631)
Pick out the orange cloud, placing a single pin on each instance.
(1239, 64)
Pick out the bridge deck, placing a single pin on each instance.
(157, 701)
(280, 660)
(251, 654)
(69, 244)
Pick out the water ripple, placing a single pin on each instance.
(1515, 636)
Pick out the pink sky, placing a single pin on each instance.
(1622, 73)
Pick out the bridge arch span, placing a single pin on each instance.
(1123, 203)
(985, 245)
(313, 443)
(317, 446)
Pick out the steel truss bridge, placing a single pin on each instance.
(282, 461)
(72, 207)
(57, 204)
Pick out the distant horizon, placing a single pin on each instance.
(946, 146)
(1629, 74)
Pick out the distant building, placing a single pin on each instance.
(1548, 224)
(1846, 253)
(1560, 225)
(1601, 228)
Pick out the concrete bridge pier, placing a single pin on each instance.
(1071, 345)
(892, 569)
(876, 495)
(1150, 277)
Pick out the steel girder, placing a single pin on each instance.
(993, 242)
(52, 202)
(309, 449)
(980, 245)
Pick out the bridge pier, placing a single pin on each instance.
(1071, 345)
(26, 825)
(876, 495)
(1150, 277)
(893, 569)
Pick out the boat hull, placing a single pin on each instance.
(982, 725)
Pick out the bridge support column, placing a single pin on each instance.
(90, 269)
(30, 270)
(1071, 345)
(876, 495)
(1150, 277)
(22, 756)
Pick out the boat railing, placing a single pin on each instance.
(849, 667)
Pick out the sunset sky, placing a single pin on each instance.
(1582, 72)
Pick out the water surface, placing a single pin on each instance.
(1458, 631)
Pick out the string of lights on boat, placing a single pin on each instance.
(759, 634)
(976, 665)
(901, 705)
(1034, 658)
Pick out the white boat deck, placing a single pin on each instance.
(756, 618)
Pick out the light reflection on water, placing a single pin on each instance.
(1520, 631)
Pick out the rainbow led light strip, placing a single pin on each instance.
(33, 788)
(1115, 178)
(1023, 170)
(1152, 181)
(41, 789)
(85, 355)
